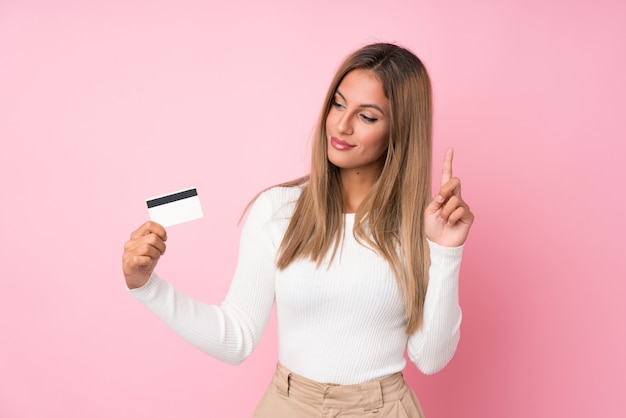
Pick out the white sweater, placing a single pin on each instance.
(341, 323)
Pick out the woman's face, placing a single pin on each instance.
(357, 125)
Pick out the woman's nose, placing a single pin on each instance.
(344, 124)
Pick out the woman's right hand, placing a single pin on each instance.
(142, 253)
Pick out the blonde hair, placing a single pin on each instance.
(390, 220)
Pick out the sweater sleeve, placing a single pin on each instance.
(434, 344)
(231, 331)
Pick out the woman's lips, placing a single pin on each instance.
(340, 145)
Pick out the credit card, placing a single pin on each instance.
(175, 208)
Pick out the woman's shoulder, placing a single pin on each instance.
(281, 199)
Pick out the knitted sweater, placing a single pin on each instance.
(338, 323)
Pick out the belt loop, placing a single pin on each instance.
(373, 396)
(282, 381)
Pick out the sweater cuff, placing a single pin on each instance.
(450, 253)
(148, 290)
(445, 262)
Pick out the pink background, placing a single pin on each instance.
(106, 103)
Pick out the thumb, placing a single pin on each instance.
(435, 204)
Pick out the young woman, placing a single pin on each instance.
(361, 262)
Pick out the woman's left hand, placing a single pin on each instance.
(448, 218)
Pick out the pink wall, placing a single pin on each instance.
(103, 104)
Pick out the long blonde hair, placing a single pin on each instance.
(390, 219)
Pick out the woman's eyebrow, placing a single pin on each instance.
(373, 106)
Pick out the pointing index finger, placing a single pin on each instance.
(446, 172)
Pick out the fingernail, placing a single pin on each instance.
(439, 198)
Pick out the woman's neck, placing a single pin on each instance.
(355, 184)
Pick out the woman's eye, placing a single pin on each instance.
(336, 104)
(368, 119)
